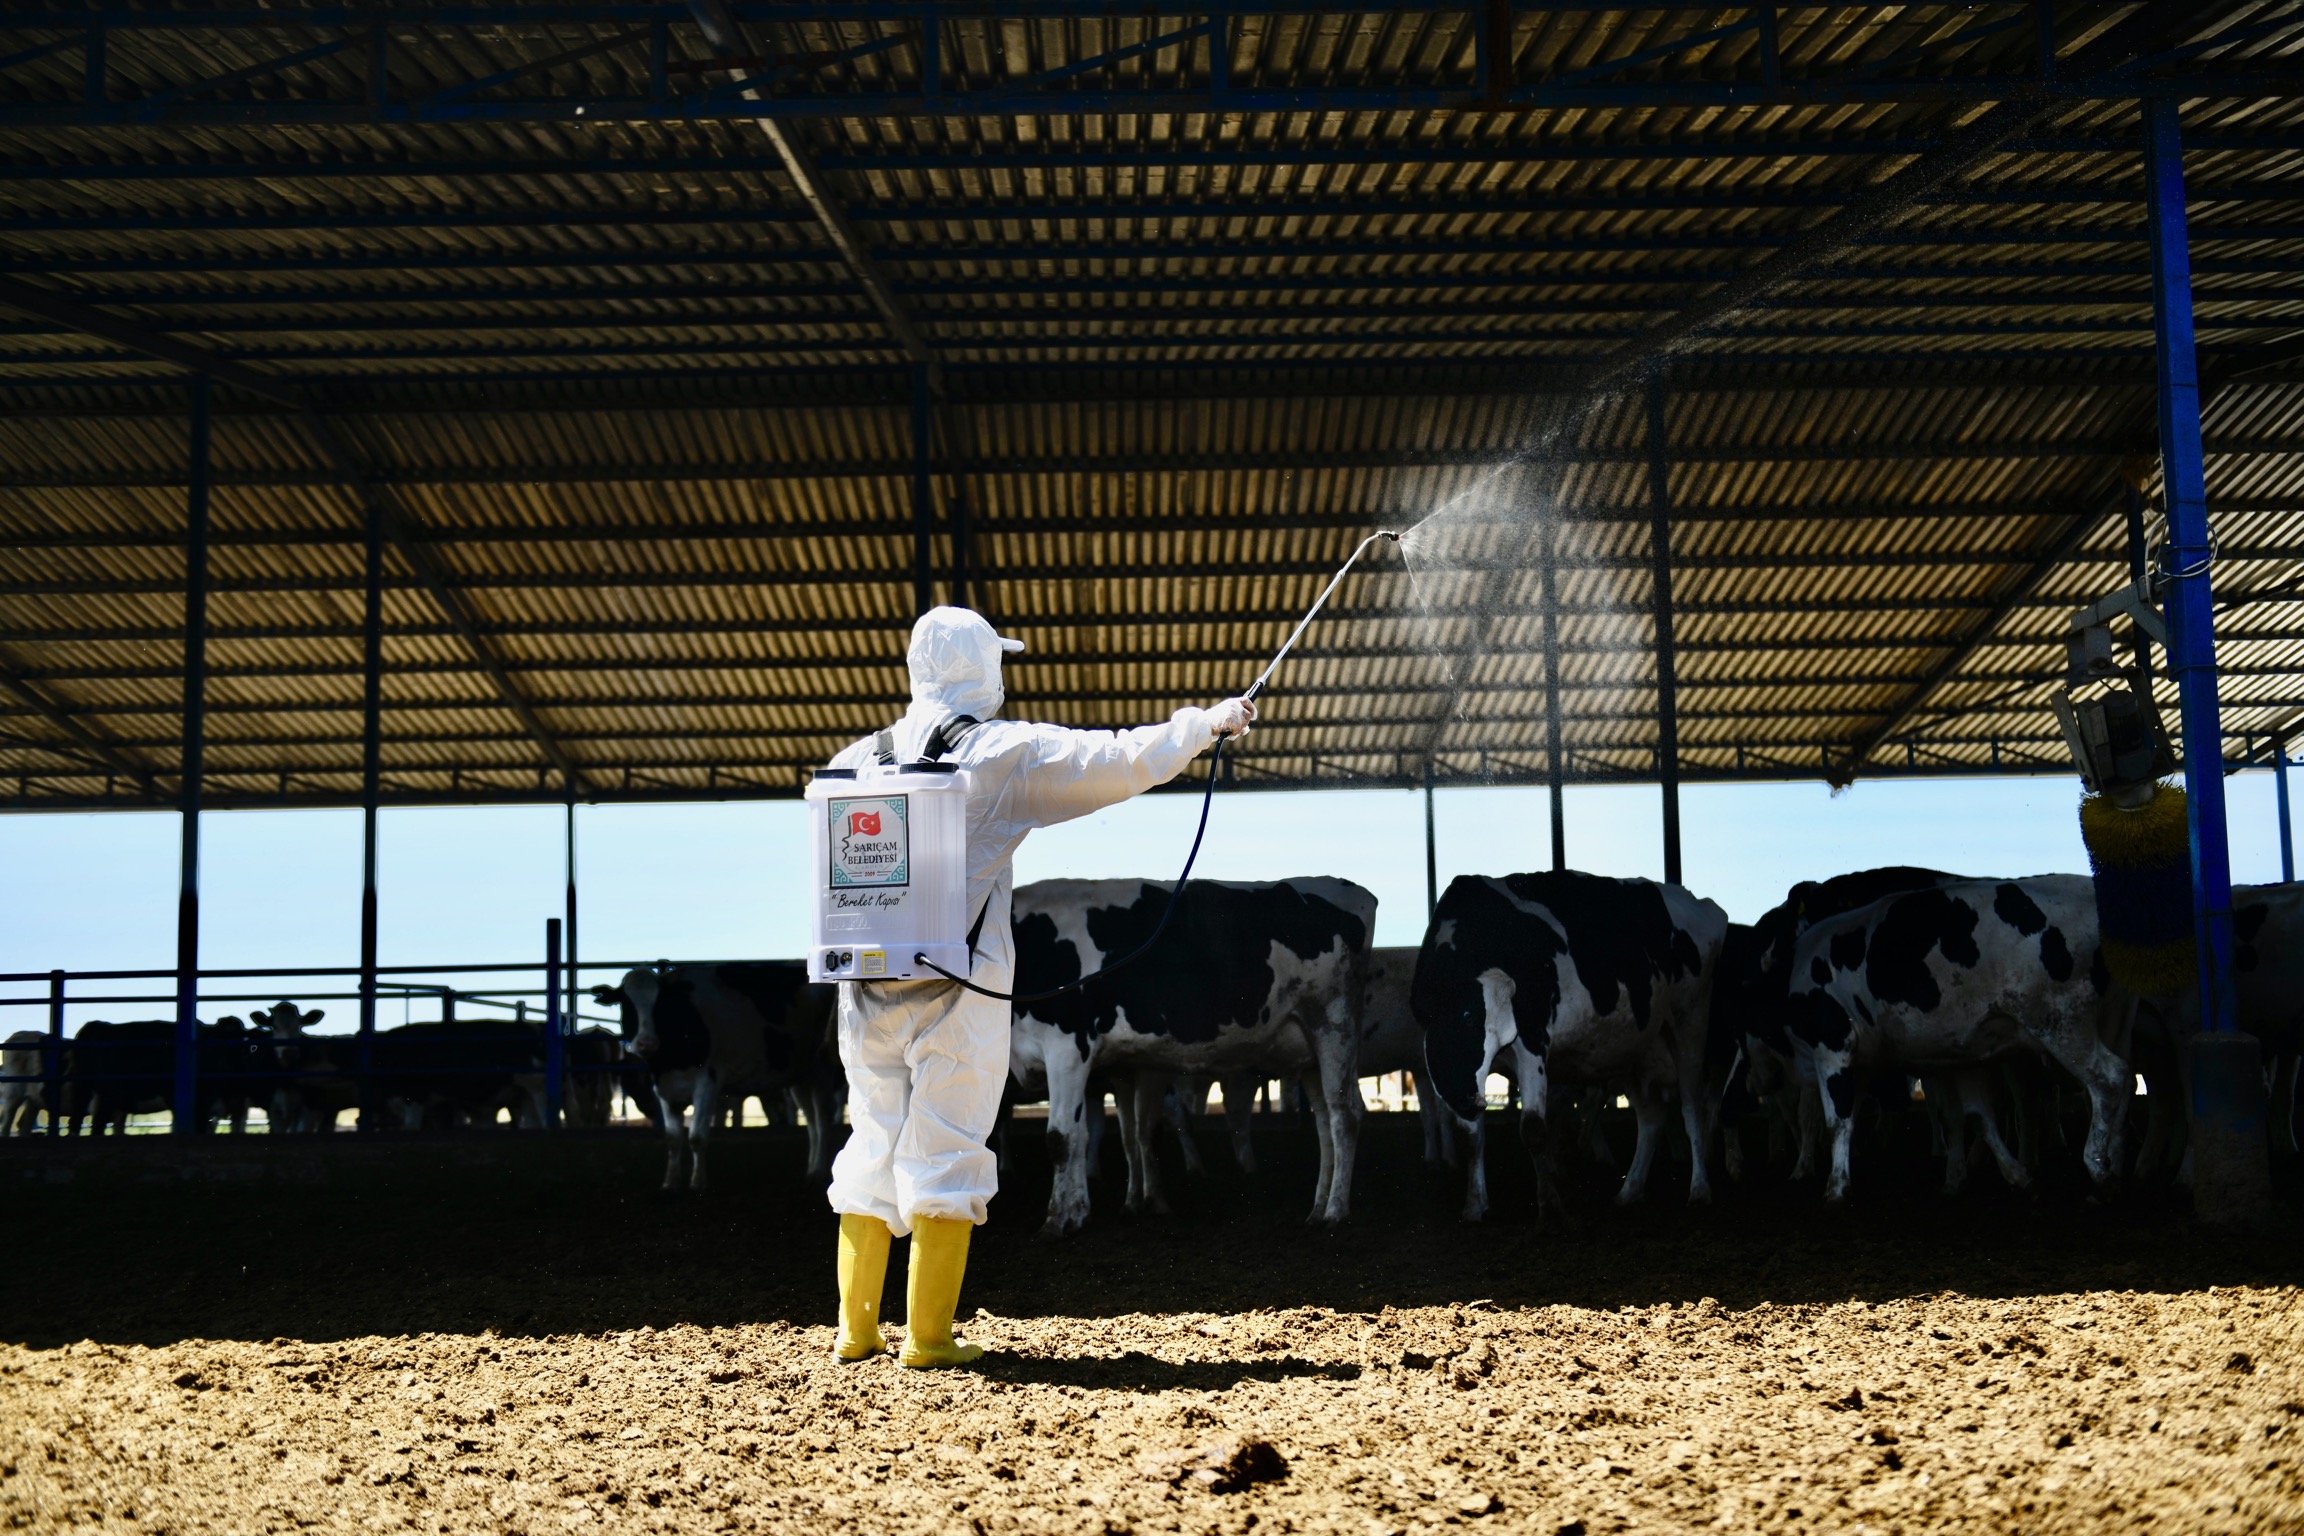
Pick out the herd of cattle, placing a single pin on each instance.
(1981, 1006)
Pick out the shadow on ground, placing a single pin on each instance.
(527, 1237)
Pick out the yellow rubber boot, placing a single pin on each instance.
(932, 1295)
(863, 1273)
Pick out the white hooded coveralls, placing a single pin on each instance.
(926, 1060)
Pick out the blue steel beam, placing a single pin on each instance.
(2081, 192)
(193, 708)
(2191, 612)
(2265, 85)
(1547, 247)
(1179, 155)
(1252, 302)
(1229, 288)
(1739, 370)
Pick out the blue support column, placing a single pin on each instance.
(1555, 763)
(1431, 850)
(552, 1044)
(2231, 1172)
(1667, 682)
(371, 790)
(554, 1087)
(2191, 616)
(52, 1069)
(185, 1099)
(2280, 787)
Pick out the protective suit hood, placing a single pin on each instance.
(955, 663)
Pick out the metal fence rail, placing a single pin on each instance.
(186, 1068)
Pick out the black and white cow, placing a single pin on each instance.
(312, 1081)
(450, 1072)
(1752, 1003)
(1252, 980)
(2268, 994)
(1943, 980)
(1587, 982)
(23, 1062)
(112, 1071)
(706, 1030)
(1392, 1041)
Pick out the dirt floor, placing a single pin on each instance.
(522, 1337)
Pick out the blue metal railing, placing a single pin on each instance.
(206, 1070)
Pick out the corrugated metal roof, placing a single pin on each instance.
(657, 439)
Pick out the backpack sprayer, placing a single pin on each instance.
(889, 843)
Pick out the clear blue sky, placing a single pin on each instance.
(720, 881)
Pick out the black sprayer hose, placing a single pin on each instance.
(1207, 798)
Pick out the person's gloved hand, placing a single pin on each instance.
(1232, 717)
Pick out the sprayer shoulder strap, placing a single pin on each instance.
(948, 734)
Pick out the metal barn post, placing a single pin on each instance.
(923, 499)
(188, 776)
(569, 847)
(371, 791)
(1667, 682)
(552, 1054)
(1431, 850)
(2231, 1181)
(1555, 770)
(52, 1070)
(2280, 788)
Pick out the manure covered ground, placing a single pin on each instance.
(528, 1338)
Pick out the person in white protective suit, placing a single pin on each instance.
(926, 1060)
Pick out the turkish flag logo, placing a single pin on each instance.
(864, 823)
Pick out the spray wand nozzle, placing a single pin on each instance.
(1313, 612)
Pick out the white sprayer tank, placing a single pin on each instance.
(889, 866)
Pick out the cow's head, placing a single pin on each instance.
(286, 1023)
(635, 999)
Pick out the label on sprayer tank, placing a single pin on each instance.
(871, 843)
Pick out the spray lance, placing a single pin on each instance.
(1207, 798)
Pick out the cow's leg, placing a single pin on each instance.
(1836, 1096)
(1475, 1166)
(1699, 1113)
(1068, 1140)
(1541, 1106)
(1978, 1098)
(2282, 1104)
(1151, 1094)
(1947, 1128)
(1807, 1124)
(1184, 1106)
(1649, 1110)
(2075, 1044)
(1591, 1113)
(1133, 1139)
(668, 1115)
(1240, 1121)
(1438, 1125)
(1324, 1142)
(1336, 1053)
(707, 1101)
